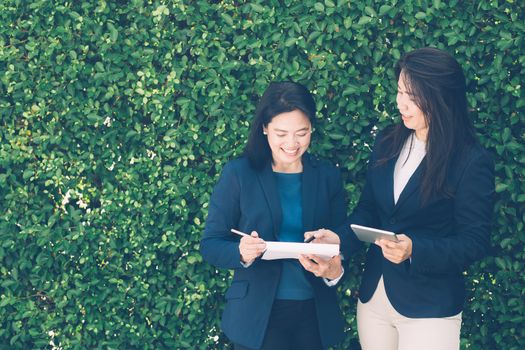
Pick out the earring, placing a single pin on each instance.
(265, 133)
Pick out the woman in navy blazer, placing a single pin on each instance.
(431, 182)
(277, 191)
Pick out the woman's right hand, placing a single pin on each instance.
(323, 236)
(251, 247)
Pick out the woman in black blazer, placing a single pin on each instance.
(277, 191)
(431, 182)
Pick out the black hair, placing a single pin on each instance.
(279, 97)
(437, 82)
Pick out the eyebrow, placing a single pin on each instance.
(410, 93)
(306, 128)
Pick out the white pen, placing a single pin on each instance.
(239, 232)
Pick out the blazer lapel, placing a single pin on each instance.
(309, 191)
(411, 186)
(269, 186)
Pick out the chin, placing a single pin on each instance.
(407, 125)
(290, 161)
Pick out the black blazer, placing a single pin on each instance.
(447, 234)
(248, 200)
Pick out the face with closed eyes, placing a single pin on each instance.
(289, 137)
(412, 116)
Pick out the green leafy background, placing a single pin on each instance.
(117, 117)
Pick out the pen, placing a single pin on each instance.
(309, 239)
(239, 232)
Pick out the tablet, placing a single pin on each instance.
(369, 234)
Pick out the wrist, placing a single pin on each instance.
(335, 273)
(335, 281)
(244, 260)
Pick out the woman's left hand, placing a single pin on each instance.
(396, 252)
(320, 267)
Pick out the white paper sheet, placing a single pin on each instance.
(288, 250)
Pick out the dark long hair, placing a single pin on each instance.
(437, 82)
(279, 97)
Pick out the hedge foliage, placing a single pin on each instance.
(116, 119)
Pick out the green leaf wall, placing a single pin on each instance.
(117, 117)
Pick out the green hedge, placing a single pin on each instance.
(117, 117)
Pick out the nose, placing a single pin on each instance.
(401, 103)
(292, 139)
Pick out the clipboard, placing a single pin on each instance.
(292, 250)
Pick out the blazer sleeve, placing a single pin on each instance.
(473, 208)
(218, 246)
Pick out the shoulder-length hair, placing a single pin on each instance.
(279, 97)
(437, 82)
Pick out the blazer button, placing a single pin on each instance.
(392, 221)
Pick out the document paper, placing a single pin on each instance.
(289, 250)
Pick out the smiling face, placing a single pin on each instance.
(412, 116)
(289, 137)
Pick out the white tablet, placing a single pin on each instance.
(369, 234)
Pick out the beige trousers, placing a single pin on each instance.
(381, 327)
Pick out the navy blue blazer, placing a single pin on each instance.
(447, 234)
(248, 200)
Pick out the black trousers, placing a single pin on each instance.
(292, 326)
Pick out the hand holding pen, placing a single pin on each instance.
(251, 246)
(331, 268)
(321, 236)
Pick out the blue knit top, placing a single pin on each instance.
(293, 284)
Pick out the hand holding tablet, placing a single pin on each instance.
(370, 234)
